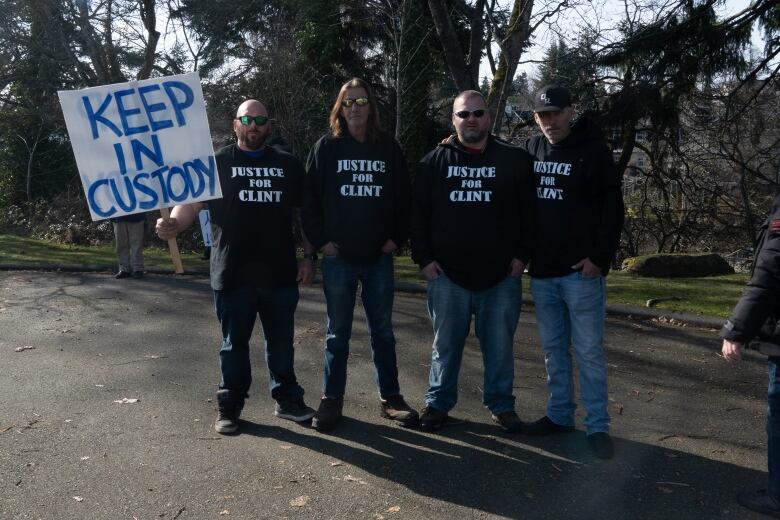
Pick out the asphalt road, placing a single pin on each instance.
(689, 428)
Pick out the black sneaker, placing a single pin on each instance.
(138, 274)
(545, 426)
(509, 421)
(122, 274)
(432, 419)
(227, 413)
(293, 410)
(760, 502)
(395, 408)
(328, 414)
(601, 445)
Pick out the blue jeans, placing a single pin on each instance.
(773, 428)
(237, 310)
(570, 311)
(340, 280)
(496, 312)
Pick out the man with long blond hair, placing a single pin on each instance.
(356, 212)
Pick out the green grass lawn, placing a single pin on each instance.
(27, 251)
(713, 295)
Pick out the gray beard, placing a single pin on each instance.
(471, 137)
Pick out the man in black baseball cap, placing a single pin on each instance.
(553, 112)
(579, 215)
(551, 98)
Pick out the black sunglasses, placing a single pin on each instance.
(361, 102)
(464, 114)
(259, 120)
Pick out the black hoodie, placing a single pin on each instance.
(579, 202)
(471, 211)
(357, 196)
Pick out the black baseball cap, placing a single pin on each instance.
(551, 98)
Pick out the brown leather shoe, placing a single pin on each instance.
(394, 407)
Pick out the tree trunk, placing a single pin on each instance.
(453, 53)
(517, 34)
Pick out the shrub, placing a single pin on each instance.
(677, 265)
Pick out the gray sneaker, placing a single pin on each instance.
(227, 413)
(293, 410)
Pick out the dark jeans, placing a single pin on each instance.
(340, 280)
(773, 428)
(237, 310)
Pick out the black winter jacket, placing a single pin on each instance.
(756, 315)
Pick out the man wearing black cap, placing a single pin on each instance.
(579, 216)
(756, 318)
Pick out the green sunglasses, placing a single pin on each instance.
(361, 102)
(259, 120)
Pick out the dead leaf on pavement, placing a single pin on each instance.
(350, 478)
(300, 501)
(393, 509)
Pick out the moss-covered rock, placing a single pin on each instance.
(677, 265)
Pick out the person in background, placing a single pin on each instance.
(129, 233)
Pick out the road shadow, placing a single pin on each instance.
(475, 466)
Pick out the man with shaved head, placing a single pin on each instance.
(254, 271)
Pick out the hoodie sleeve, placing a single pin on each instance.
(525, 208)
(422, 242)
(762, 291)
(607, 190)
(403, 197)
(312, 212)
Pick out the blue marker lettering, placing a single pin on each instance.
(183, 195)
(179, 106)
(97, 117)
(159, 174)
(146, 190)
(131, 201)
(194, 175)
(140, 148)
(209, 171)
(93, 203)
(154, 107)
(125, 112)
(120, 158)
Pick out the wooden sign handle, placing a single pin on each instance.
(173, 246)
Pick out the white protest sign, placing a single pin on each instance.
(142, 145)
(205, 227)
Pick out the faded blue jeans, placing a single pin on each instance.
(340, 281)
(496, 311)
(570, 312)
(237, 310)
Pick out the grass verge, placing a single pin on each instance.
(710, 296)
